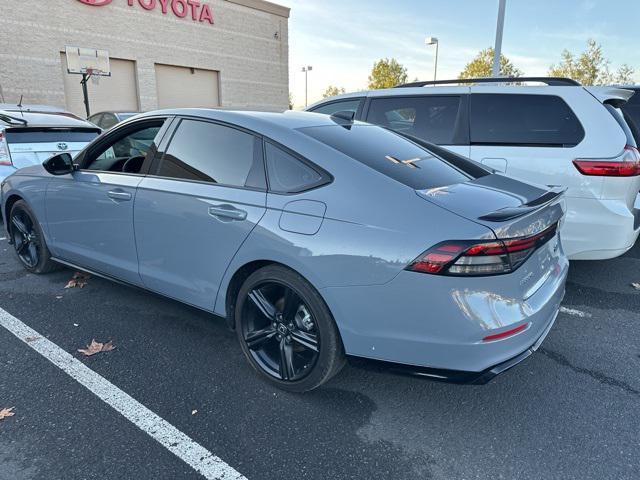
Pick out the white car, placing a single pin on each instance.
(557, 134)
(29, 134)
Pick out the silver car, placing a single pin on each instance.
(316, 237)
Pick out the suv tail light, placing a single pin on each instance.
(5, 159)
(468, 258)
(626, 165)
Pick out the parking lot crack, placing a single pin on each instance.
(598, 376)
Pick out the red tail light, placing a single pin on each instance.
(626, 165)
(5, 159)
(493, 257)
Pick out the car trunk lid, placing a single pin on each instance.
(510, 208)
(516, 212)
(32, 145)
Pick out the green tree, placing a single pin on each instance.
(482, 64)
(590, 67)
(332, 91)
(387, 73)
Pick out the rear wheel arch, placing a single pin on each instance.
(241, 274)
(8, 205)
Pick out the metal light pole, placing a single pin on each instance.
(434, 41)
(306, 71)
(497, 51)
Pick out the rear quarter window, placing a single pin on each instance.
(390, 154)
(523, 120)
(350, 105)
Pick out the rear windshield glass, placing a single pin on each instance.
(523, 120)
(390, 154)
(49, 136)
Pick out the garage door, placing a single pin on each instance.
(118, 92)
(186, 87)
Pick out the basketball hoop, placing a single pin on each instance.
(91, 64)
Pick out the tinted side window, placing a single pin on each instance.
(212, 153)
(350, 105)
(113, 156)
(432, 118)
(523, 120)
(288, 174)
(390, 154)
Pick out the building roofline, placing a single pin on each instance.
(264, 6)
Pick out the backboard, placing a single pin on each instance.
(88, 61)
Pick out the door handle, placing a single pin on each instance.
(119, 195)
(227, 211)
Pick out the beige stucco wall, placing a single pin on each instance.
(241, 45)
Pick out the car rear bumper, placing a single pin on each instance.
(597, 229)
(440, 322)
(456, 376)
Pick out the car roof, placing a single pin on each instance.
(257, 121)
(447, 89)
(44, 119)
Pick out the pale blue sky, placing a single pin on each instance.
(342, 38)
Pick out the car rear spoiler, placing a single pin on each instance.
(615, 96)
(514, 212)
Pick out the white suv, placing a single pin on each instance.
(557, 134)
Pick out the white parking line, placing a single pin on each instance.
(574, 312)
(178, 443)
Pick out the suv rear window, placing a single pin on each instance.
(389, 154)
(523, 120)
(432, 118)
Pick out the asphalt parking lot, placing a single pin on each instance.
(571, 411)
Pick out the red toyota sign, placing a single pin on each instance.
(195, 9)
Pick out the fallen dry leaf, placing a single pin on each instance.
(79, 280)
(636, 285)
(96, 347)
(6, 412)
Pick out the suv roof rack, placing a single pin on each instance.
(551, 81)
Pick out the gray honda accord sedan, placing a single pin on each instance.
(316, 237)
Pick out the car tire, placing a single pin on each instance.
(28, 239)
(298, 329)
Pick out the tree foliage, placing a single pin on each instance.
(591, 67)
(482, 65)
(387, 73)
(332, 91)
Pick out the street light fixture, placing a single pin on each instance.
(433, 41)
(306, 71)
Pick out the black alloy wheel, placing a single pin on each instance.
(28, 239)
(286, 330)
(280, 332)
(25, 238)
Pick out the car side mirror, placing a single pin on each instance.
(60, 164)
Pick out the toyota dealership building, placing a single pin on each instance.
(163, 53)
